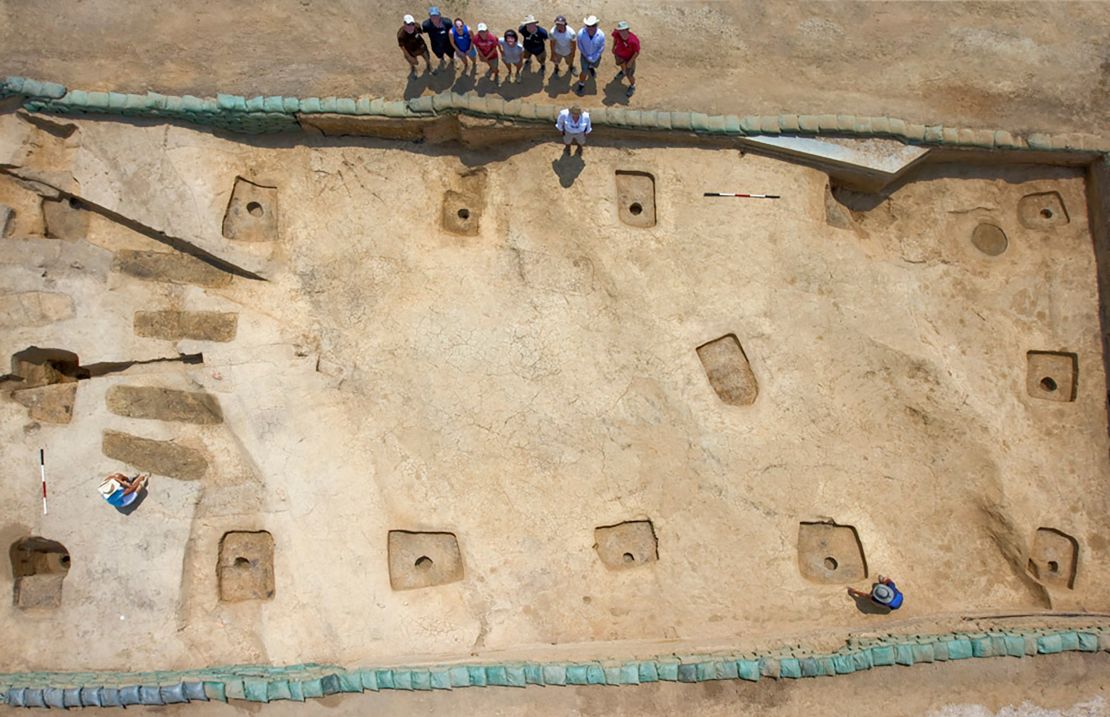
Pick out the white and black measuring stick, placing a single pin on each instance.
(42, 473)
(743, 196)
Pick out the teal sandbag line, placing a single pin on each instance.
(268, 683)
(270, 114)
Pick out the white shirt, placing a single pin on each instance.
(562, 40)
(591, 47)
(567, 124)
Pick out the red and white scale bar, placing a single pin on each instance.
(42, 473)
(743, 196)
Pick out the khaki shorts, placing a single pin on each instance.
(578, 138)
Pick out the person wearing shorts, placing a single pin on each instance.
(591, 43)
(564, 44)
(512, 52)
(463, 45)
(487, 45)
(412, 44)
(439, 34)
(534, 39)
(626, 48)
(574, 124)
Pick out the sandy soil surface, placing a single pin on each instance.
(525, 379)
(1019, 66)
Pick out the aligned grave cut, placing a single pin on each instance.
(830, 553)
(626, 545)
(245, 569)
(729, 373)
(39, 567)
(421, 560)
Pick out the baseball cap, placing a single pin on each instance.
(561, 19)
(590, 21)
(482, 27)
(529, 20)
(408, 19)
(882, 594)
(622, 25)
(433, 10)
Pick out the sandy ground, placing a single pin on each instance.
(1068, 685)
(1019, 66)
(523, 385)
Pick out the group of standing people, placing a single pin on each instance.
(453, 41)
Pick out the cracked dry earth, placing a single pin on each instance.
(379, 428)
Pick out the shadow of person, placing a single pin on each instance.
(867, 606)
(567, 167)
(443, 79)
(465, 83)
(415, 85)
(139, 498)
(531, 80)
(560, 84)
(485, 85)
(615, 93)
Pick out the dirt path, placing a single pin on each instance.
(1024, 67)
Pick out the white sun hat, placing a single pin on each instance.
(589, 21)
(530, 19)
(109, 486)
(408, 19)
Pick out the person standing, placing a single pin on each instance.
(487, 45)
(534, 39)
(564, 44)
(574, 125)
(626, 48)
(412, 45)
(462, 44)
(439, 33)
(591, 43)
(512, 53)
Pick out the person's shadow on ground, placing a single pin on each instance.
(415, 85)
(615, 93)
(443, 79)
(485, 85)
(139, 498)
(465, 83)
(567, 167)
(560, 84)
(868, 606)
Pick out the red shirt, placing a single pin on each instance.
(487, 46)
(625, 49)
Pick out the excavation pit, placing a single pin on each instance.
(636, 198)
(1044, 210)
(422, 560)
(626, 545)
(251, 212)
(245, 570)
(39, 567)
(1054, 558)
(830, 553)
(989, 239)
(729, 373)
(1052, 375)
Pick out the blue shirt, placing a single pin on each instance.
(591, 47)
(897, 601)
(461, 41)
